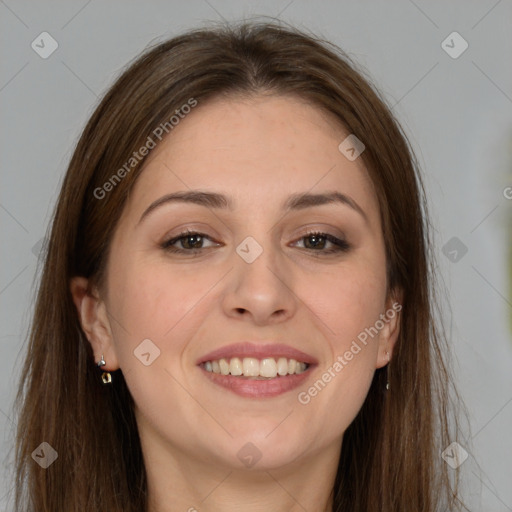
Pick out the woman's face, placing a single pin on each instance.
(253, 291)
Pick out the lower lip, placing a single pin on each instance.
(253, 388)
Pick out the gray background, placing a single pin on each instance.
(457, 112)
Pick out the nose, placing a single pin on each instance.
(260, 291)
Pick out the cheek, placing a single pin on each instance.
(150, 302)
(348, 301)
(156, 313)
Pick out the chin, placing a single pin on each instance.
(262, 447)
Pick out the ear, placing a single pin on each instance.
(389, 333)
(93, 316)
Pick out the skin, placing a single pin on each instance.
(258, 151)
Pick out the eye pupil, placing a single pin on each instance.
(196, 241)
(316, 241)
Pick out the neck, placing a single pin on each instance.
(179, 483)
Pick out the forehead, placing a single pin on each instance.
(256, 149)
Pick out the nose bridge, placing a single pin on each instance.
(260, 284)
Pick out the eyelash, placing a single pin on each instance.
(338, 244)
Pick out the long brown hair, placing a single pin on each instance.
(390, 458)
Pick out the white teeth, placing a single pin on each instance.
(251, 367)
(268, 367)
(235, 366)
(300, 367)
(224, 366)
(282, 366)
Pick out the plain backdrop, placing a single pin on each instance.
(455, 107)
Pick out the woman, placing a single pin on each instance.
(235, 307)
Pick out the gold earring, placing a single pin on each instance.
(105, 376)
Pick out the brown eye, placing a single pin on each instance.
(187, 242)
(317, 242)
(192, 241)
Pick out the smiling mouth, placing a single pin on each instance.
(257, 369)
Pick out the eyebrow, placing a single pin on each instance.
(220, 201)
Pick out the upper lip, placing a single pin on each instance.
(258, 350)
